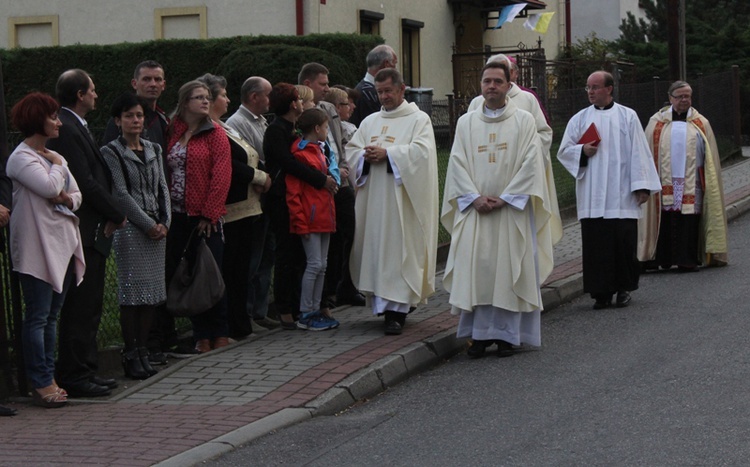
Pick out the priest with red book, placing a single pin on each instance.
(614, 176)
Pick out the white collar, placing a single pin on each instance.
(80, 119)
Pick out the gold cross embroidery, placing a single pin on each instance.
(378, 140)
(493, 148)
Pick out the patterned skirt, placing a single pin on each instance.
(140, 267)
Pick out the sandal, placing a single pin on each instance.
(51, 400)
(58, 389)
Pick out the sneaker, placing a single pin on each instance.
(267, 323)
(306, 318)
(322, 323)
(334, 322)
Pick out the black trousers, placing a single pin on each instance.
(79, 322)
(610, 257)
(338, 277)
(290, 260)
(236, 269)
(211, 323)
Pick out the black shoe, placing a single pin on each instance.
(685, 269)
(157, 358)
(504, 349)
(289, 326)
(392, 328)
(602, 303)
(623, 299)
(181, 351)
(400, 318)
(7, 411)
(107, 382)
(132, 365)
(355, 300)
(394, 323)
(86, 389)
(477, 348)
(146, 361)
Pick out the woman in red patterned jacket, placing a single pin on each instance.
(200, 170)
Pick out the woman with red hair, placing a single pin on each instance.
(45, 243)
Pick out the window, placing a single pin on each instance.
(410, 56)
(369, 22)
(33, 31)
(180, 23)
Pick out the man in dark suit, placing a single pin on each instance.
(99, 217)
(148, 82)
(6, 191)
(368, 103)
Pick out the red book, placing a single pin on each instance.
(591, 136)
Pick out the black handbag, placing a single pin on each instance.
(192, 292)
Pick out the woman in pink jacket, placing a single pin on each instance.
(45, 243)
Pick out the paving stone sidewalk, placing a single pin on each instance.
(205, 405)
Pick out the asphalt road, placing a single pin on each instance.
(662, 382)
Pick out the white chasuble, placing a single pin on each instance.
(492, 256)
(395, 241)
(525, 100)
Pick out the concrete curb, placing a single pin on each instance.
(738, 208)
(562, 291)
(234, 439)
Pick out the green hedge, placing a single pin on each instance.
(278, 58)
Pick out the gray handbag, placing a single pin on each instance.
(195, 291)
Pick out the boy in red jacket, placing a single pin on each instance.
(312, 216)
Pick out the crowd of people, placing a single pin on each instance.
(336, 199)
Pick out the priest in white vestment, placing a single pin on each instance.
(499, 213)
(394, 159)
(614, 175)
(527, 101)
(686, 225)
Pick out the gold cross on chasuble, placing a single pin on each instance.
(382, 137)
(493, 147)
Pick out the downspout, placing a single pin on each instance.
(568, 34)
(300, 17)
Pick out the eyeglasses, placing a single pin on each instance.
(343, 103)
(684, 97)
(200, 98)
(593, 88)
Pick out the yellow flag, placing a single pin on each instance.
(543, 24)
(538, 22)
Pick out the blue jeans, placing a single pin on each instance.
(40, 326)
